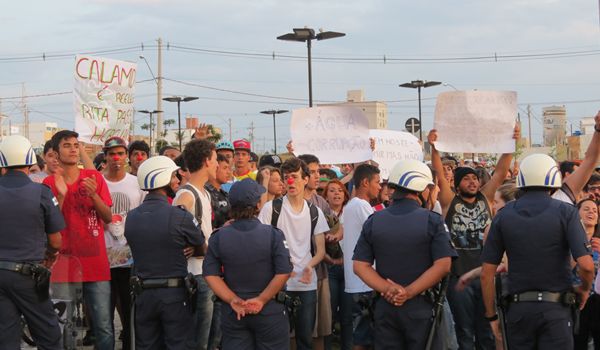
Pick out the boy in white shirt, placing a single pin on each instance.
(303, 226)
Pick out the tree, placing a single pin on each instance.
(167, 123)
(160, 144)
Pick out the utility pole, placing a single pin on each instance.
(159, 116)
(251, 133)
(25, 112)
(529, 121)
(1, 121)
(230, 135)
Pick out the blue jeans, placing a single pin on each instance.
(96, 296)
(341, 307)
(204, 314)
(472, 330)
(305, 318)
(214, 337)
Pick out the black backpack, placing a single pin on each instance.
(314, 216)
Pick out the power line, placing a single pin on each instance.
(272, 55)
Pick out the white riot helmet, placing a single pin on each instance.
(16, 150)
(156, 172)
(539, 170)
(412, 175)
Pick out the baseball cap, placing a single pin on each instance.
(270, 160)
(224, 145)
(242, 144)
(113, 142)
(253, 157)
(245, 193)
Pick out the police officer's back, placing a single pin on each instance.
(539, 235)
(412, 252)
(157, 234)
(30, 224)
(254, 262)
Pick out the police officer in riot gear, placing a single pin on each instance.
(411, 249)
(157, 234)
(541, 237)
(30, 224)
(246, 265)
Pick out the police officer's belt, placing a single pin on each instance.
(152, 283)
(22, 268)
(567, 298)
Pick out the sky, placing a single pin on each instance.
(553, 48)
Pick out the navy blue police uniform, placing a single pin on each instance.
(248, 254)
(157, 234)
(539, 235)
(403, 241)
(28, 212)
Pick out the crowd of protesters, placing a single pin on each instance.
(321, 210)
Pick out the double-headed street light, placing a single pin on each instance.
(150, 113)
(308, 35)
(274, 112)
(179, 99)
(418, 84)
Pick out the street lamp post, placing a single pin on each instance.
(308, 35)
(274, 112)
(150, 113)
(418, 84)
(179, 99)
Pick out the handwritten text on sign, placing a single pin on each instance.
(103, 98)
(334, 134)
(476, 121)
(393, 146)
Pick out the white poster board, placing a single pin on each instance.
(335, 134)
(393, 146)
(476, 121)
(103, 98)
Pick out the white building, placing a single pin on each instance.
(586, 125)
(39, 132)
(375, 111)
(555, 125)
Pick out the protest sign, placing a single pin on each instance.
(392, 146)
(476, 121)
(103, 94)
(334, 134)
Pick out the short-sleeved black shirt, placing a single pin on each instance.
(248, 254)
(157, 233)
(403, 240)
(28, 212)
(219, 201)
(539, 235)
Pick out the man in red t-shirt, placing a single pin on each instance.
(85, 203)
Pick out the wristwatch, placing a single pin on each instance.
(491, 318)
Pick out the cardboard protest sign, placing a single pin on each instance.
(103, 93)
(334, 134)
(392, 146)
(476, 121)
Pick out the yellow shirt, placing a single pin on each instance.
(248, 175)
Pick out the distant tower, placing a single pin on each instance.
(555, 125)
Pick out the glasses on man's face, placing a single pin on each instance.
(594, 188)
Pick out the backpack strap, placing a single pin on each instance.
(197, 202)
(277, 205)
(314, 216)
